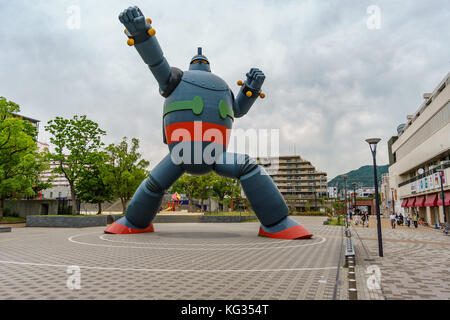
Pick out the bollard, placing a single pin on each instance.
(352, 283)
(351, 275)
(352, 294)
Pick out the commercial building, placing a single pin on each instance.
(299, 182)
(418, 154)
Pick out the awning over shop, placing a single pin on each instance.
(411, 202)
(420, 201)
(430, 200)
(447, 199)
(404, 202)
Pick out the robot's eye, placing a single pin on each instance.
(195, 61)
(204, 61)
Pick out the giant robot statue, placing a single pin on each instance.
(198, 114)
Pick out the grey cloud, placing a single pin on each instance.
(330, 84)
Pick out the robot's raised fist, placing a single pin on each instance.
(133, 19)
(255, 78)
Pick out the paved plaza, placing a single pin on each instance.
(178, 261)
(219, 261)
(415, 262)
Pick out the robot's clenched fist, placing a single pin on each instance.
(198, 114)
(133, 19)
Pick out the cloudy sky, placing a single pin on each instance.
(337, 72)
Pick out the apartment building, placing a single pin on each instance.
(299, 182)
(418, 154)
(61, 187)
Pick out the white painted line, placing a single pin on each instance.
(71, 239)
(165, 270)
(102, 237)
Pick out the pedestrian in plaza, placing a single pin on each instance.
(393, 220)
(366, 219)
(356, 219)
(400, 219)
(414, 218)
(408, 220)
(363, 219)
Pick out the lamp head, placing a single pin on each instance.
(373, 143)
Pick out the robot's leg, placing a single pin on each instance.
(263, 195)
(147, 199)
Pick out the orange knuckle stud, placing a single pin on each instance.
(130, 42)
(151, 32)
(249, 94)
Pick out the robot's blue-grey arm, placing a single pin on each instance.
(142, 36)
(250, 91)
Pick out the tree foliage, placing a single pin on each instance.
(188, 185)
(77, 142)
(91, 186)
(125, 170)
(20, 162)
(205, 186)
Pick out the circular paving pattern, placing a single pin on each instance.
(188, 261)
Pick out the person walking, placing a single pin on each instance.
(356, 219)
(408, 220)
(414, 218)
(393, 220)
(366, 219)
(363, 219)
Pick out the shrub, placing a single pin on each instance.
(309, 213)
(8, 212)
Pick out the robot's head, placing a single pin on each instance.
(199, 62)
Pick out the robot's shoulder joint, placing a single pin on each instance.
(175, 78)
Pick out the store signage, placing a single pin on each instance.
(430, 182)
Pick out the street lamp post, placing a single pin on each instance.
(345, 191)
(354, 197)
(373, 148)
(393, 203)
(441, 173)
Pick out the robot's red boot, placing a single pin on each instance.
(119, 228)
(288, 229)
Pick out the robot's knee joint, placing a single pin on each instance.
(153, 185)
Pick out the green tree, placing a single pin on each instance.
(204, 188)
(77, 142)
(186, 184)
(338, 207)
(125, 170)
(224, 189)
(20, 162)
(91, 187)
(307, 206)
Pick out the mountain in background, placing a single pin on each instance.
(363, 175)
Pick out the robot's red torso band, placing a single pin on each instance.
(197, 131)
